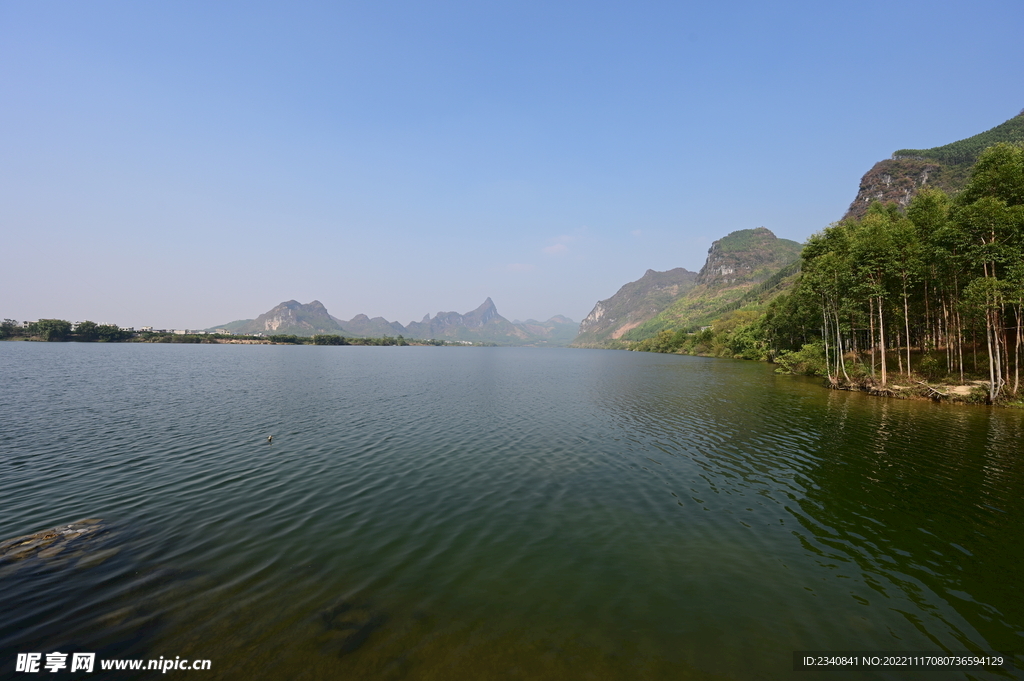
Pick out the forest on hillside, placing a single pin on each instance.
(932, 293)
(967, 151)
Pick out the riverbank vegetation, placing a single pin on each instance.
(933, 295)
(60, 330)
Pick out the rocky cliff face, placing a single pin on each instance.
(633, 304)
(898, 179)
(292, 318)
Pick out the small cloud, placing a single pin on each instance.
(637, 232)
(518, 267)
(560, 244)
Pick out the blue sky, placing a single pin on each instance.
(186, 164)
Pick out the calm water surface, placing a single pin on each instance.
(446, 513)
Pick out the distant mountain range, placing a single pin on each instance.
(743, 271)
(483, 324)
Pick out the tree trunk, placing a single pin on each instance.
(824, 336)
(992, 380)
(925, 339)
(853, 340)
(906, 323)
(899, 352)
(881, 338)
(944, 322)
(871, 320)
(1016, 355)
(839, 346)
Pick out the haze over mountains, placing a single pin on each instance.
(634, 304)
(484, 324)
(743, 271)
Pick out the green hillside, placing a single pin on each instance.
(922, 302)
(897, 180)
(966, 151)
(232, 327)
(743, 270)
(632, 305)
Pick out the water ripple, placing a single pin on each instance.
(427, 512)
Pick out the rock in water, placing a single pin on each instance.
(347, 626)
(47, 545)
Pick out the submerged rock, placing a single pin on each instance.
(47, 545)
(347, 626)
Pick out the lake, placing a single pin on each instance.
(463, 513)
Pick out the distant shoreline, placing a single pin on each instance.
(969, 393)
(220, 339)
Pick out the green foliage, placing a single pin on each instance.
(60, 330)
(999, 175)
(9, 328)
(942, 284)
(86, 331)
(737, 335)
(57, 330)
(187, 338)
(111, 333)
(329, 339)
(947, 275)
(809, 360)
(764, 266)
(649, 328)
(930, 367)
(967, 151)
(745, 240)
(51, 329)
